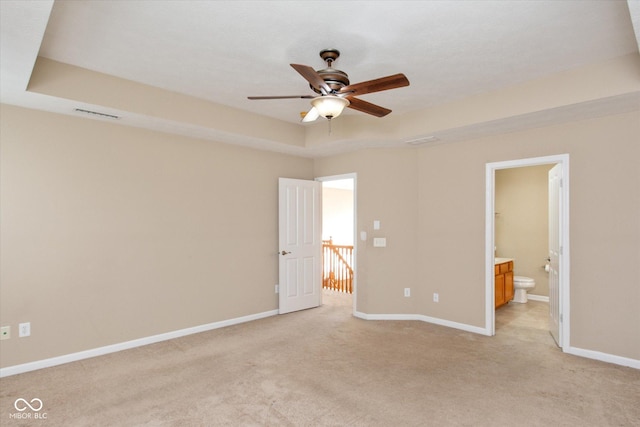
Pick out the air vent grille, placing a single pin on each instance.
(98, 114)
(423, 140)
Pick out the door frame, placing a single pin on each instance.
(490, 326)
(354, 177)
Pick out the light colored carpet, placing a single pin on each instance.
(323, 367)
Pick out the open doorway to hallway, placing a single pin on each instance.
(338, 237)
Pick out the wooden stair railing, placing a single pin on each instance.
(337, 273)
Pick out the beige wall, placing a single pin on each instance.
(433, 200)
(111, 233)
(522, 221)
(604, 222)
(386, 190)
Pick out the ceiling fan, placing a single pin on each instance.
(334, 91)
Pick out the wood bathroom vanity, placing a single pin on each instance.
(503, 281)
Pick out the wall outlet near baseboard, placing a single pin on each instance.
(407, 292)
(436, 297)
(24, 329)
(5, 332)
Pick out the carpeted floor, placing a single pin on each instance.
(323, 367)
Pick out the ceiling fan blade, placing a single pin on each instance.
(311, 116)
(281, 97)
(367, 107)
(312, 77)
(377, 85)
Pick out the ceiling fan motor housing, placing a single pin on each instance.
(335, 79)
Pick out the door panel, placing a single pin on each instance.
(309, 270)
(555, 200)
(291, 267)
(300, 238)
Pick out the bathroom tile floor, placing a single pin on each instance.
(533, 314)
(528, 322)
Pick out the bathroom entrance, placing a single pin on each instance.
(527, 222)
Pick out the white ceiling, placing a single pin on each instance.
(224, 51)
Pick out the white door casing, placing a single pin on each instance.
(563, 306)
(300, 240)
(555, 252)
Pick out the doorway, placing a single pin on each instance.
(338, 235)
(559, 310)
(522, 223)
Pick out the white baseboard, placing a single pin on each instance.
(603, 357)
(100, 351)
(590, 354)
(538, 298)
(423, 318)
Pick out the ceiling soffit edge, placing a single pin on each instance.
(149, 107)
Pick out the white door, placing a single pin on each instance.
(300, 237)
(555, 252)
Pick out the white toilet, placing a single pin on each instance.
(522, 285)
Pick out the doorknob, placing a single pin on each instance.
(284, 253)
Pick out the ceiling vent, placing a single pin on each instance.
(423, 140)
(95, 113)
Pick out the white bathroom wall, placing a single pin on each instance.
(521, 224)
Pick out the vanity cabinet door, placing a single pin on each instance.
(504, 283)
(508, 286)
(499, 294)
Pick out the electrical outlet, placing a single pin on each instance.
(407, 292)
(436, 297)
(5, 332)
(24, 329)
(277, 289)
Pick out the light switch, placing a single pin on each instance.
(379, 242)
(376, 225)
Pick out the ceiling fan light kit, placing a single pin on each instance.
(336, 92)
(330, 106)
